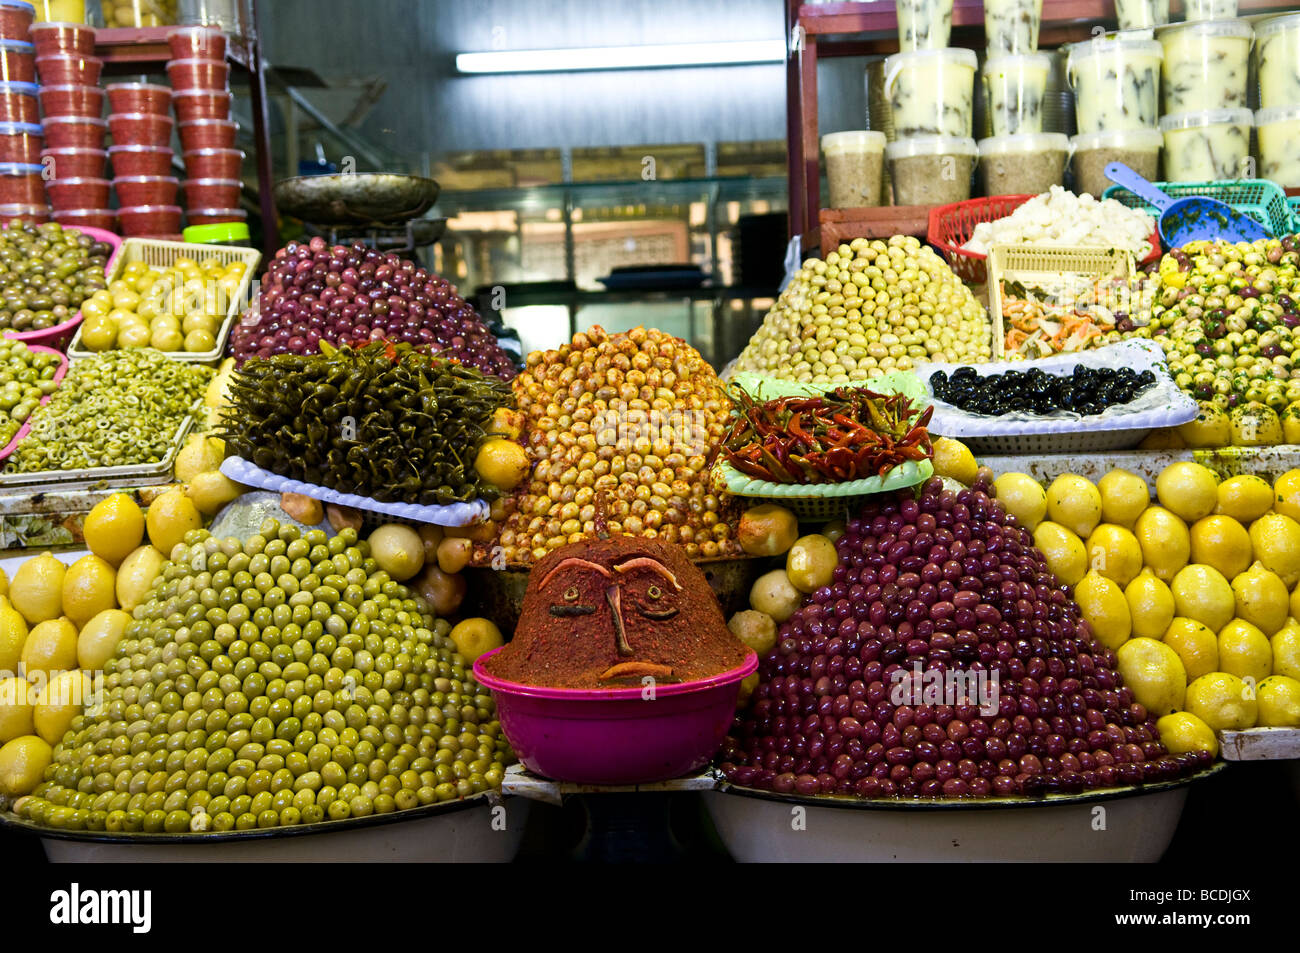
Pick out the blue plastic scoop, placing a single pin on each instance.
(1190, 219)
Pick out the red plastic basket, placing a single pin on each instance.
(952, 226)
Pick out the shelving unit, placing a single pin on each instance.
(870, 28)
(129, 50)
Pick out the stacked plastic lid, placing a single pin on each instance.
(200, 77)
(74, 159)
(22, 193)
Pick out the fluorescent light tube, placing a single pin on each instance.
(623, 57)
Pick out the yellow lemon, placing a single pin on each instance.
(200, 454)
(1166, 544)
(51, 647)
(98, 638)
(1255, 425)
(1188, 490)
(1286, 651)
(16, 708)
(1201, 593)
(1245, 498)
(1154, 673)
(113, 528)
(1124, 496)
(1221, 542)
(1196, 646)
(398, 549)
(37, 588)
(136, 575)
(1075, 503)
(211, 490)
(61, 700)
(1114, 552)
(1222, 701)
(1279, 702)
(1286, 490)
(1262, 599)
(1295, 603)
(503, 463)
(1181, 732)
(1211, 428)
(1150, 604)
(171, 515)
(1276, 541)
(22, 765)
(1023, 497)
(1244, 651)
(1104, 607)
(953, 459)
(1291, 422)
(88, 589)
(473, 637)
(4, 584)
(13, 633)
(1064, 552)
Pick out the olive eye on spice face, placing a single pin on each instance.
(654, 592)
(571, 594)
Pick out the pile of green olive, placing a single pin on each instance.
(119, 408)
(1227, 316)
(25, 377)
(46, 271)
(279, 681)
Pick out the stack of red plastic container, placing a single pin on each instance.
(74, 158)
(140, 117)
(200, 79)
(22, 190)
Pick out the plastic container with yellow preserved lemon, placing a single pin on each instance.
(140, 13)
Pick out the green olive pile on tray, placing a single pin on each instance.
(46, 271)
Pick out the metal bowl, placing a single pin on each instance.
(499, 594)
(356, 198)
(1132, 824)
(469, 831)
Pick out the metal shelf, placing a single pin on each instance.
(127, 50)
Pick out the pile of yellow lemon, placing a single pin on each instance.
(1198, 593)
(60, 624)
(180, 308)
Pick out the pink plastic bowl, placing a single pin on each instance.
(616, 736)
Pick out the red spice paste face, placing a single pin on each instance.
(607, 614)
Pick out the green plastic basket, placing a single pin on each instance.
(1294, 202)
(826, 501)
(1262, 200)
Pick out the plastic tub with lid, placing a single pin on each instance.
(1277, 53)
(1116, 83)
(21, 184)
(190, 73)
(931, 170)
(17, 62)
(194, 104)
(199, 134)
(1141, 14)
(72, 101)
(81, 132)
(1016, 86)
(139, 98)
(225, 15)
(855, 167)
(923, 24)
(214, 163)
(18, 102)
(1025, 162)
(20, 142)
(197, 42)
(133, 190)
(140, 129)
(1205, 64)
(78, 193)
(1011, 26)
(141, 160)
(74, 163)
(104, 218)
(931, 92)
(150, 220)
(1207, 145)
(62, 37)
(1278, 131)
(26, 213)
(1209, 10)
(69, 69)
(234, 234)
(1139, 149)
(212, 193)
(16, 18)
(215, 216)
